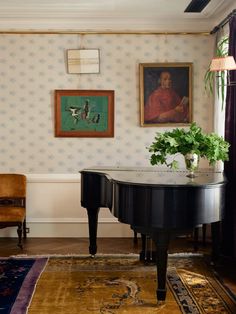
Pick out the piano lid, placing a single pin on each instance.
(157, 176)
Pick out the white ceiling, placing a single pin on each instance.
(143, 15)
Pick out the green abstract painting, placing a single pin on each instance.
(84, 113)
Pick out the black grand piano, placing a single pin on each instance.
(156, 203)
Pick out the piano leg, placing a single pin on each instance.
(93, 225)
(161, 240)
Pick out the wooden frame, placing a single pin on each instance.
(84, 113)
(165, 94)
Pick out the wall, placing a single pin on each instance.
(33, 66)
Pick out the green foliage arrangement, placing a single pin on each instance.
(210, 146)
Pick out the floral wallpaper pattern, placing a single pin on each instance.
(33, 66)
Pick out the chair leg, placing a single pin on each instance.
(19, 232)
(24, 229)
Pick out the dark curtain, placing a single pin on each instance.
(229, 222)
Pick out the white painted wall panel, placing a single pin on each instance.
(54, 210)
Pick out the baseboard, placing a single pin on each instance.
(74, 229)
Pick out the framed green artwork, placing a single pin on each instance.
(84, 113)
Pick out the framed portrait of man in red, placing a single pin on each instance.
(165, 94)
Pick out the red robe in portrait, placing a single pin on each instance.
(161, 105)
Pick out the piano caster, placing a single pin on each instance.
(92, 251)
(161, 304)
(161, 295)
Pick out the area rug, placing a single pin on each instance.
(122, 284)
(18, 278)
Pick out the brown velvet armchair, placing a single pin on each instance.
(13, 203)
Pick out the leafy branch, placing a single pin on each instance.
(210, 77)
(210, 146)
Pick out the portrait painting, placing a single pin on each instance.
(84, 113)
(165, 94)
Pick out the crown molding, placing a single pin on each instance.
(108, 24)
(109, 15)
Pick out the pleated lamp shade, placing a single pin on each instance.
(223, 63)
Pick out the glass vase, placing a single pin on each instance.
(192, 163)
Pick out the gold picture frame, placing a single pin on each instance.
(165, 94)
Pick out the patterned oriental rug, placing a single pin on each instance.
(18, 278)
(109, 284)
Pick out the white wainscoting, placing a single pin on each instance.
(54, 210)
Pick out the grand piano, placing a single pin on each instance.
(156, 203)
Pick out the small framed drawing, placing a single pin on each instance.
(83, 61)
(84, 113)
(165, 94)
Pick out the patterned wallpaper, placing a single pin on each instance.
(33, 66)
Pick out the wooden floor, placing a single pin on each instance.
(38, 246)
(50, 246)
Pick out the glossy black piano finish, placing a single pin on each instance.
(156, 203)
